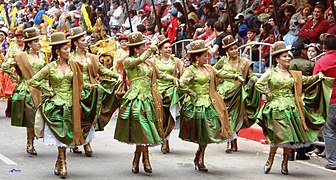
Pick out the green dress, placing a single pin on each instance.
(280, 116)
(137, 122)
(97, 101)
(56, 109)
(200, 122)
(168, 91)
(241, 99)
(23, 110)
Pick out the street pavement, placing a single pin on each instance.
(113, 160)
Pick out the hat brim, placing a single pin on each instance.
(77, 35)
(280, 51)
(135, 44)
(164, 41)
(231, 44)
(197, 51)
(59, 42)
(31, 39)
(6, 34)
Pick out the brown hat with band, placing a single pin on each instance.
(30, 34)
(135, 39)
(123, 37)
(76, 32)
(161, 39)
(279, 47)
(228, 41)
(197, 46)
(58, 38)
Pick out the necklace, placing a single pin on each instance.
(282, 70)
(166, 62)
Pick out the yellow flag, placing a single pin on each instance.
(4, 14)
(14, 12)
(47, 18)
(86, 17)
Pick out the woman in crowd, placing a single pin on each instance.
(204, 118)
(140, 115)
(237, 96)
(93, 91)
(25, 99)
(290, 124)
(61, 109)
(170, 69)
(313, 50)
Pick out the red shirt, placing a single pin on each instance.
(327, 65)
(314, 32)
(172, 30)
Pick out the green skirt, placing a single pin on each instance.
(137, 123)
(171, 106)
(284, 127)
(59, 120)
(23, 112)
(200, 124)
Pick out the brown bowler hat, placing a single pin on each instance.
(30, 34)
(161, 39)
(279, 47)
(228, 41)
(197, 47)
(123, 37)
(135, 39)
(76, 32)
(58, 38)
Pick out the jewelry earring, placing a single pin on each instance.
(196, 63)
(138, 54)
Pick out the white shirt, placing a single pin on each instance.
(117, 17)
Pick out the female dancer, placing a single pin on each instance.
(92, 94)
(238, 96)
(290, 124)
(140, 116)
(170, 69)
(25, 98)
(61, 109)
(204, 117)
(7, 84)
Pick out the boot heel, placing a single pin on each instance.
(146, 163)
(136, 159)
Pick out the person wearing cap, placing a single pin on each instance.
(61, 110)
(242, 110)
(170, 69)
(93, 91)
(291, 124)
(242, 26)
(173, 25)
(7, 84)
(26, 99)
(204, 117)
(219, 7)
(300, 61)
(4, 45)
(140, 118)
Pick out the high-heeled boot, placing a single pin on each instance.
(165, 147)
(234, 145)
(228, 149)
(88, 150)
(57, 166)
(284, 164)
(62, 162)
(200, 162)
(30, 142)
(145, 160)
(8, 111)
(269, 163)
(136, 159)
(197, 154)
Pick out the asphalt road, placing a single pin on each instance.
(113, 160)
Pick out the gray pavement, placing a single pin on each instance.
(112, 160)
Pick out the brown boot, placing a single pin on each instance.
(228, 149)
(57, 166)
(284, 164)
(234, 145)
(165, 147)
(62, 162)
(136, 159)
(88, 150)
(270, 160)
(200, 163)
(30, 142)
(9, 108)
(145, 160)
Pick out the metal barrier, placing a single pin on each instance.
(179, 47)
